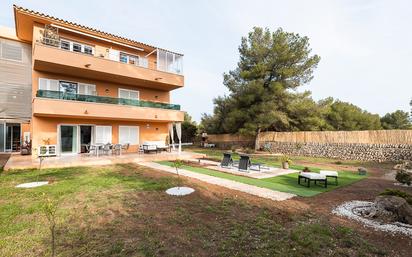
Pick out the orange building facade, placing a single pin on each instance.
(92, 87)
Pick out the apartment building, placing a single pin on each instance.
(85, 86)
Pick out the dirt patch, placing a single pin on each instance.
(4, 157)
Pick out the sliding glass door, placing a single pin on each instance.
(2, 136)
(68, 139)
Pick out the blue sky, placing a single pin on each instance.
(365, 46)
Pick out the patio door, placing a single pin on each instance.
(68, 139)
(12, 139)
(2, 136)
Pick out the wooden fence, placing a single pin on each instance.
(394, 137)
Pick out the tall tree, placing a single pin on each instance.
(271, 65)
(346, 116)
(396, 120)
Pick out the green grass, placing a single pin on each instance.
(122, 210)
(284, 183)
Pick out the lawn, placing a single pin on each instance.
(122, 210)
(284, 183)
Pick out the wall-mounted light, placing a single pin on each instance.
(156, 96)
(87, 65)
(107, 91)
(158, 78)
(86, 112)
(156, 116)
(147, 126)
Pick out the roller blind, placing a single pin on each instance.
(103, 134)
(11, 51)
(129, 135)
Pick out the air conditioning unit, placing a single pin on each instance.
(47, 150)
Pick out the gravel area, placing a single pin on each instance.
(351, 210)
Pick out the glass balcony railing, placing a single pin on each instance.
(103, 99)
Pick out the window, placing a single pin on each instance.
(65, 45)
(103, 134)
(128, 94)
(129, 135)
(48, 84)
(67, 87)
(88, 50)
(123, 58)
(11, 51)
(86, 89)
(77, 47)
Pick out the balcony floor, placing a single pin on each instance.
(17, 161)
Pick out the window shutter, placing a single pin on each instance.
(43, 84)
(12, 51)
(114, 55)
(103, 134)
(53, 85)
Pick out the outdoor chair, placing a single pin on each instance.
(91, 149)
(125, 147)
(244, 163)
(117, 149)
(107, 148)
(227, 160)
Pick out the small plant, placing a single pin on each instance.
(49, 208)
(403, 177)
(177, 164)
(285, 158)
(286, 161)
(233, 149)
(399, 193)
(306, 169)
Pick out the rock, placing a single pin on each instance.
(362, 171)
(399, 207)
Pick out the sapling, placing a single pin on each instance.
(178, 164)
(49, 208)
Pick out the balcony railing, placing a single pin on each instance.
(165, 60)
(103, 99)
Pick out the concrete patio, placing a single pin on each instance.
(17, 161)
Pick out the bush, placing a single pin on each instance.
(285, 158)
(403, 177)
(399, 193)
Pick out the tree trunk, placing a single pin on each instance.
(257, 140)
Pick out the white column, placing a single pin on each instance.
(172, 135)
(179, 135)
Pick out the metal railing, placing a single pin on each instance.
(103, 99)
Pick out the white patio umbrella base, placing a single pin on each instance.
(179, 191)
(33, 184)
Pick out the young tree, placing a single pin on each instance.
(271, 65)
(396, 120)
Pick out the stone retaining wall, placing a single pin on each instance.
(361, 152)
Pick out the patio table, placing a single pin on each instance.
(98, 148)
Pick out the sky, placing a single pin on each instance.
(365, 45)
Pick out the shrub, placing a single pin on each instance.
(403, 177)
(285, 158)
(399, 193)
(249, 150)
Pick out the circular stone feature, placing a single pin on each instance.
(179, 191)
(33, 184)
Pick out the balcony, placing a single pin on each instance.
(59, 104)
(84, 64)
